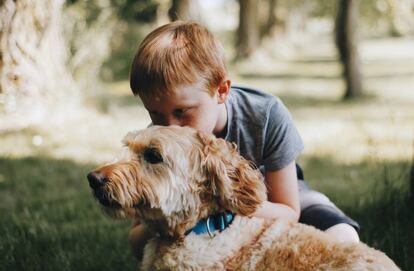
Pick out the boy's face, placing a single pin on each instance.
(189, 105)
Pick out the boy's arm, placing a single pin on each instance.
(283, 194)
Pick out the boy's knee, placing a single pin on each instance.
(324, 217)
(343, 233)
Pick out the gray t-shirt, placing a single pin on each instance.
(262, 128)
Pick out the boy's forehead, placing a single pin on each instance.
(182, 95)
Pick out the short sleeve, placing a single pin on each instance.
(282, 142)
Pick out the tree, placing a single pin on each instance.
(270, 19)
(400, 17)
(33, 75)
(347, 44)
(49, 53)
(248, 30)
(412, 178)
(185, 10)
(143, 11)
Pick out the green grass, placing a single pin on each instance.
(50, 221)
(376, 194)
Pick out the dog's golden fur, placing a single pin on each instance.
(176, 176)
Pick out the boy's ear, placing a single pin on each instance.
(223, 91)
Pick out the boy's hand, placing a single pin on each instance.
(283, 194)
(271, 210)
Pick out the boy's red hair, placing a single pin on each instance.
(175, 54)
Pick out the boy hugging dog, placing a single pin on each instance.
(224, 192)
(180, 75)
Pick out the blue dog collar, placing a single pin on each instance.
(213, 223)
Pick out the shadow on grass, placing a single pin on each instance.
(50, 221)
(299, 102)
(287, 76)
(376, 194)
(325, 77)
(294, 101)
(387, 224)
(313, 60)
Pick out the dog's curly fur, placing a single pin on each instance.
(175, 176)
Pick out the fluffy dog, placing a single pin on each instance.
(175, 177)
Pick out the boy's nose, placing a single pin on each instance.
(171, 121)
(166, 120)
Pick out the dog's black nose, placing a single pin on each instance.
(96, 179)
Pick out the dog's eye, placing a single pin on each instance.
(152, 156)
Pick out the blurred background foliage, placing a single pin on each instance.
(134, 19)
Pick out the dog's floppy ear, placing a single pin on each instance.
(128, 140)
(231, 178)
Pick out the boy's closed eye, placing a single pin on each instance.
(176, 112)
(182, 111)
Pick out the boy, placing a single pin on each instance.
(180, 75)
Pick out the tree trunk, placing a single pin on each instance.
(270, 19)
(347, 44)
(185, 10)
(248, 31)
(400, 17)
(33, 74)
(412, 179)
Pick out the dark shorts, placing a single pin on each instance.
(323, 217)
(317, 210)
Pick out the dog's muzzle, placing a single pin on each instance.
(97, 182)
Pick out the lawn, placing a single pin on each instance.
(49, 220)
(357, 152)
